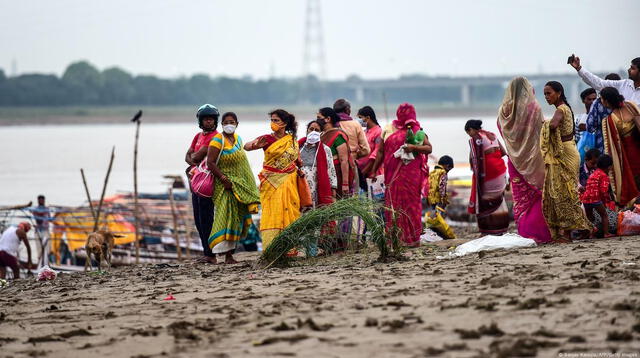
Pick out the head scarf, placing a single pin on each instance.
(406, 117)
(520, 121)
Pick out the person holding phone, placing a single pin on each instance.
(629, 88)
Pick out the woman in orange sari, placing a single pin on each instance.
(622, 143)
(279, 176)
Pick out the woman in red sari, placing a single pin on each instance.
(622, 142)
(403, 177)
(489, 180)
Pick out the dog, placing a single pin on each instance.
(100, 244)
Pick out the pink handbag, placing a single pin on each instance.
(202, 180)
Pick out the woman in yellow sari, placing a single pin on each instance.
(279, 176)
(560, 201)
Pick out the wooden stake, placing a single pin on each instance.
(175, 224)
(86, 190)
(104, 189)
(136, 209)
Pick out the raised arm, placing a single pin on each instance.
(592, 80)
(257, 143)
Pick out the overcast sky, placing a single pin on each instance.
(374, 39)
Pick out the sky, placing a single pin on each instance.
(265, 38)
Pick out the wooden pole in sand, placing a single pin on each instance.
(136, 209)
(86, 190)
(104, 189)
(175, 224)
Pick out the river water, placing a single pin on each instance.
(47, 159)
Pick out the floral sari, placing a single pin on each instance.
(235, 206)
(278, 187)
(520, 121)
(622, 143)
(404, 181)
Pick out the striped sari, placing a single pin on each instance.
(234, 207)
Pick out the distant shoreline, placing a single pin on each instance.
(22, 116)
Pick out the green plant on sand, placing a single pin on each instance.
(307, 231)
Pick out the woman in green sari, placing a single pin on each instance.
(235, 195)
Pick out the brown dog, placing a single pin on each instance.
(100, 244)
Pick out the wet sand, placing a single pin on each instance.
(579, 297)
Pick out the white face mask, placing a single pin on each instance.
(313, 137)
(229, 128)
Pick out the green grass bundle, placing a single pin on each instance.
(305, 232)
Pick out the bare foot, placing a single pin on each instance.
(212, 260)
(229, 260)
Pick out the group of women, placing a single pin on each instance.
(543, 163)
(543, 166)
(322, 157)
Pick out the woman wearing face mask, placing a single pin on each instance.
(317, 166)
(338, 142)
(279, 176)
(367, 118)
(235, 194)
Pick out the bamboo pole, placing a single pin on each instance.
(136, 210)
(86, 190)
(104, 189)
(175, 224)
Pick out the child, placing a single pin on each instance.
(596, 193)
(438, 183)
(589, 166)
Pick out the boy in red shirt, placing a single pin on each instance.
(596, 194)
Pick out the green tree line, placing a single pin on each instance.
(83, 84)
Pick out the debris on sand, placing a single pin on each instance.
(619, 336)
(291, 339)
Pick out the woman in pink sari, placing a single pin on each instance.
(403, 176)
(520, 122)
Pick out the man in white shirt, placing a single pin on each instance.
(9, 245)
(629, 88)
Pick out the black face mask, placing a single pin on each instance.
(322, 123)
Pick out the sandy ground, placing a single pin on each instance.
(579, 297)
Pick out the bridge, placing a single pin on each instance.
(467, 86)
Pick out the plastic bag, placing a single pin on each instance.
(46, 274)
(429, 236)
(491, 242)
(586, 142)
(376, 188)
(628, 223)
(439, 225)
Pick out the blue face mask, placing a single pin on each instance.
(362, 122)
